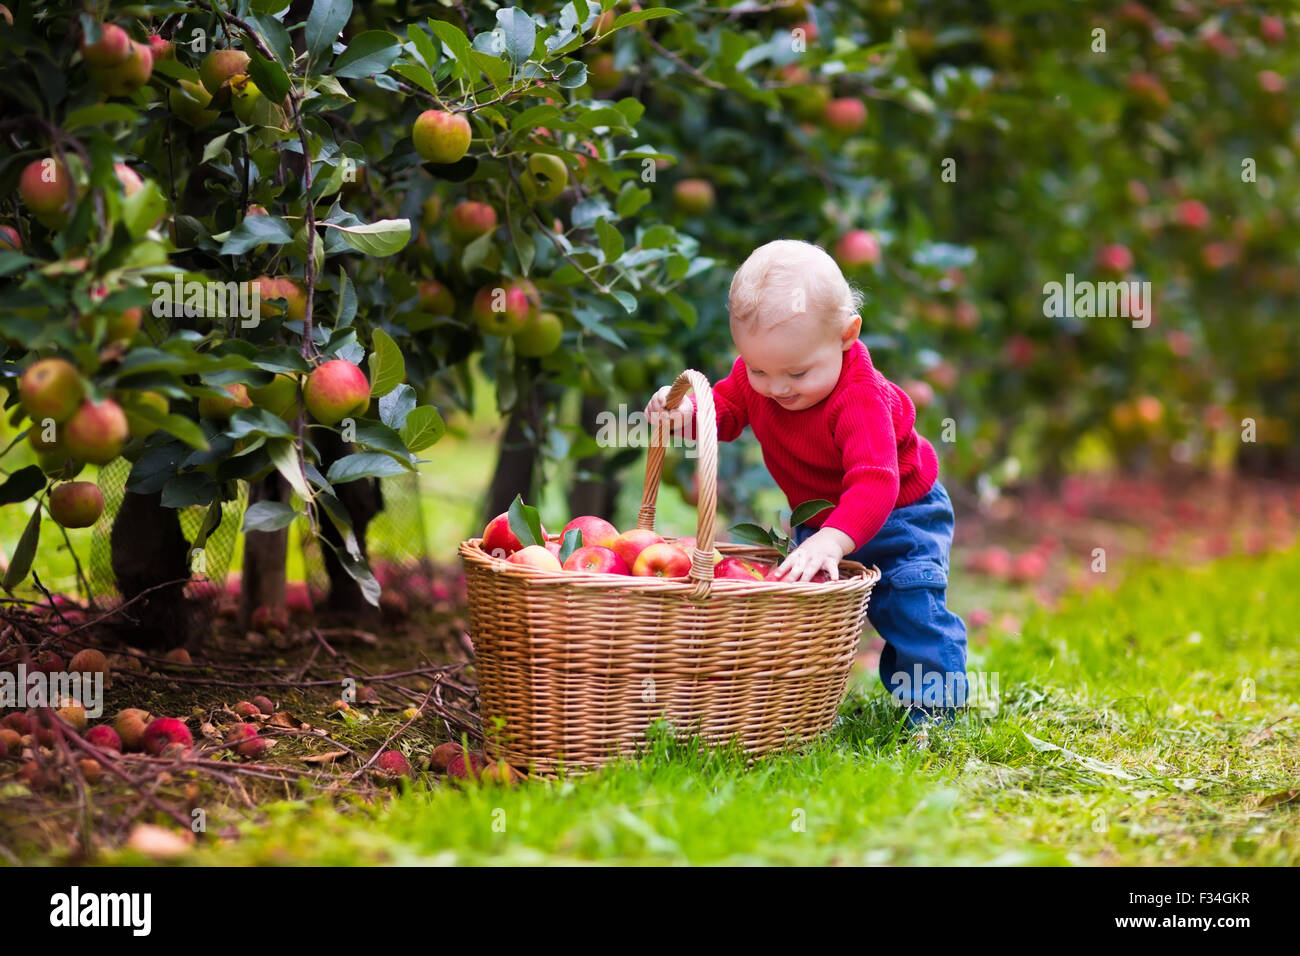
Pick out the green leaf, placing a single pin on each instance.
(22, 484)
(476, 251)
(387, 367)
(269, 77)
(382, 238)
(520, 34)
(525, 523)
(571, 543)
(366, 464)
(25, 553)
(425, 47)
(458, 43)
(372, 52)
(396, 406)
(253, 231)
(417, 75)
(753, 533)
(101, 115)
(611, 240)
(178, 426)
(215, 147)
(326, 19)
(423, 427)
(809, 509)
(285, 458)
(682, 308)
(268, 516)
(191, 488)
(637, 16)
(258, 421)
(383, 438)
(143, 209)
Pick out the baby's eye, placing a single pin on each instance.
(756, 372)
(799, 374)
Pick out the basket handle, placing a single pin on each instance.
(706, 471)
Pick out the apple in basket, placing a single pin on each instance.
(498, 540)
(738, 569)
(688, 545)
(595, 559)
(594, 531)
(535, 556)
(630, 544)
(662, 560)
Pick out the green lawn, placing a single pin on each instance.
(1147, 725)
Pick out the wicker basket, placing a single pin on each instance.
(574, 666)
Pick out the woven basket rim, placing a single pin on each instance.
(853, 576)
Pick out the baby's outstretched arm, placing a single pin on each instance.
(821, 552)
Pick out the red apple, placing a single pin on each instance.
(435, 297)
(595, 531)
(470, 219)
(336, 390)
(846, 115)
(441, 137)
(738, 569)
(595, 559)
(504, 308)
(630, 544)
(536, 556)
(1192, 214)
(694, 196)
(51, 388)
(661, 560)
(45, 186)
(1114, 257)
(112, 47)
(76, 504)
(498, 540)
(857, 247)
(96, 433)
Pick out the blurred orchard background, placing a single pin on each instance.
(625, 158)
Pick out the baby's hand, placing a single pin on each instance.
(821, 552)
(677, 417)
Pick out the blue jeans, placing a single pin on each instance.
(923, 664)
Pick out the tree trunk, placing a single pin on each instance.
(147, 548)
(518, 456)
(265, 552)
(597, 495)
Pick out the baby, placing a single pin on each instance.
(832, 427)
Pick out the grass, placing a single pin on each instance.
(1145, 725)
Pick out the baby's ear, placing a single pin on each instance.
(851, 330)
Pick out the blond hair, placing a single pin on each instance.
(786, 278)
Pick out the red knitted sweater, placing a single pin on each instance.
(857, 447)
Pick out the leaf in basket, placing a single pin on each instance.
(524, 523)
(571, 543)
(808, 510)
(755, 533)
